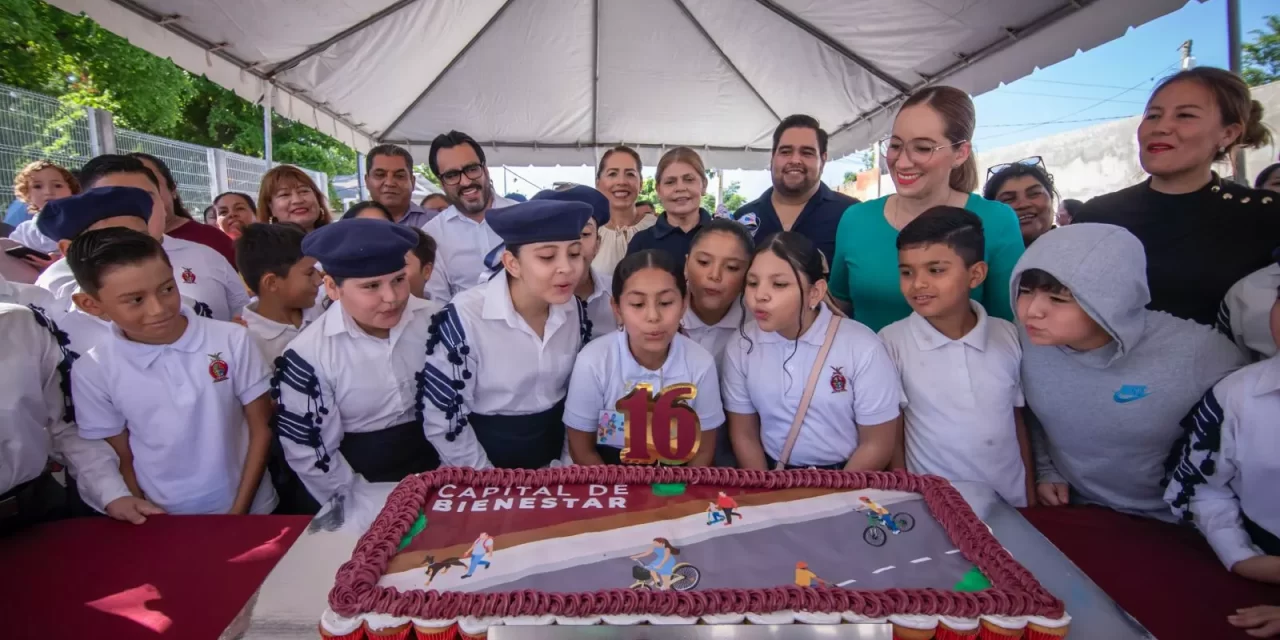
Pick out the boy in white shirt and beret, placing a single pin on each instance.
(960, 367)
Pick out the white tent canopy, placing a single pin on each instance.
(556, 81)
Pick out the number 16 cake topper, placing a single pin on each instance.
(661, 428)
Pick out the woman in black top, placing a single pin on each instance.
(1201, 233)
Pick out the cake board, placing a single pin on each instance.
(287, 604)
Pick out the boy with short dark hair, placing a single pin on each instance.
(1108, 379)
(420, 262)
(1226, 473)
(182, 399)
(959, 366)
(286, 283)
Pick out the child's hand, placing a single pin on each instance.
(1053, 494)
(1259, 622)
(131, 509)
(1260, 568)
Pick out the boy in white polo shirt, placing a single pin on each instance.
(182, 399)
(959, 366)
(1227, 471)
(285, 282)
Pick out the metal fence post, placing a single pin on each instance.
(102, 132)
(361, 187)
(219, 171)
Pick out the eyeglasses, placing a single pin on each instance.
(472, 171)
(919, 150)
(1033, 161)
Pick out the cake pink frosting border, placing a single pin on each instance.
(1014, 592)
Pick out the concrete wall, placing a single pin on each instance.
(1103, 158)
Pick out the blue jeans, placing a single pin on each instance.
(476, 561)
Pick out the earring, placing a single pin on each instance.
(1222, 149)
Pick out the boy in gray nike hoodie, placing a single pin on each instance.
(1107, 379)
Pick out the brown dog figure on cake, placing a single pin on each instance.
(436, 568)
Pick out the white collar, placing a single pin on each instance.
(602, 286)
(498, 306)
(453, 213)
(928, 338)
(817, 333)
(1269, 377)
(191, 341)
(337, 321)
(269, 326)
(731, 320)
(672, 368)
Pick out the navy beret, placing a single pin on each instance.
(66, 218)
(539, 221)
(579, 193)
(360, 247)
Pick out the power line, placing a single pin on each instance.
(1080, 111)
(1081, 84)
(1062, 97)
(1039, 124)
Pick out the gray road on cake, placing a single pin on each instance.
(832, 547)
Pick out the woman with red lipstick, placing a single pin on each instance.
(1201, 233)
(289, 195)
(618, 178)
(852, 419)
(500, 354)
(932, 164)
(650, 357)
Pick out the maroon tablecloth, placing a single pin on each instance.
(187, 577)
(1164, 575)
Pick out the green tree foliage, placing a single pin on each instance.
(1262, 55)
(45, 49)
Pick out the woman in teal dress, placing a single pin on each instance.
(931, 161)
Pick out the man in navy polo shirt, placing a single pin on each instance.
(798, 201)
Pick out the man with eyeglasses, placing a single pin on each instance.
(462, 236)
(389, 174)
(798, 201)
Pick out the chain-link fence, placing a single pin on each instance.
(35, 126)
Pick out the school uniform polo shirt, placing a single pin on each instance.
(766, 373)
(716, 336)
(272, 337)
(1228, 471)
(959, 401)
(182, 405)
(599, 309)
(662, 235)
(818, 221)
(461, 246)
(1245, 314)
(606, 372)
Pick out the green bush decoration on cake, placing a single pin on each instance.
(973, 581)
(668, 489)
(418, 526)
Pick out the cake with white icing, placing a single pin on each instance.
(456, 552)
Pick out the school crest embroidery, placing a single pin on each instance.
(188, 276)
(838, 382)
(218, 368)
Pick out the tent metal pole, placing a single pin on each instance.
(340, 36)
(698, 25)
(595, 72)
(361, 187)
(266, 123)
(1240, 172)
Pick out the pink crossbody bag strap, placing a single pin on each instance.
(818, 364)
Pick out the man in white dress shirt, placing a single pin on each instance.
(460, 232)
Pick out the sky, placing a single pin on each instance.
(1108, 82)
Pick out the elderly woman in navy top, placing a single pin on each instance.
(500, 354)
(348, 391)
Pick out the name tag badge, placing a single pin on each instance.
(611, 429)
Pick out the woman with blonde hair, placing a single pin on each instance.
(681, 183)
(288, 194)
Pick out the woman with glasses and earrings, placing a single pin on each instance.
(1027, 187)
(1201, 233)
(931, 161)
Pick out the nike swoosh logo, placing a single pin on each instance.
(1125, 398)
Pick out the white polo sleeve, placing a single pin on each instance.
(587, 384)
(96, 415)
(733, 379)
(237, 295)
(877, 387)
(891, 336)
(708, 404)
(1198, 489)
(251, 376)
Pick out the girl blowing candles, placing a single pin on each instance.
(716, 270)
(851, 420)
(593, 287)
(500, 354)
(349, 400)
(648, 357)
